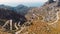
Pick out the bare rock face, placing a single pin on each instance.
(50, 1)
(58, 2)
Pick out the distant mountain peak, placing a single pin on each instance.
(21, 5)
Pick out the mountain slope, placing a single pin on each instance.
(21, 9)
(48, 14)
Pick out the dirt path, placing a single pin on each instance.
(54, 21)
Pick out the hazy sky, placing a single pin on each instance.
(16, 2)
(9, 1)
